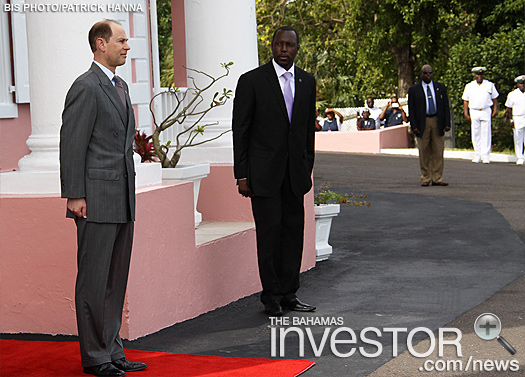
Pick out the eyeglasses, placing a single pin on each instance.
(427, 72)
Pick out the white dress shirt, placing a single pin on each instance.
(431, 85)
(107, 71)
(280, 71)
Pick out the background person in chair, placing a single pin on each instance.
(273, 145)
(98, 179)
(375, 112)
(365, 123)
(332, 123)
(429, 110)
(394, 115)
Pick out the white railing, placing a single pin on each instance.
(165, 104)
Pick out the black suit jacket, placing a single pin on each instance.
(264, 140)
(96, 148)
(417, 107)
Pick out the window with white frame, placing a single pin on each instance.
(8, 108)
(16, 62)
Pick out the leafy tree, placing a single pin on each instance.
(358, 48)
(165, 42)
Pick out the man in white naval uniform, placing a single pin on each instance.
(478, 96)
(516, 114)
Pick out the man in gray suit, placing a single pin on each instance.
(98, 179)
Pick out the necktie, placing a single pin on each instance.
(431, 106)
(120, 90)
(288, 96)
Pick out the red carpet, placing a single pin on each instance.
(62, 359)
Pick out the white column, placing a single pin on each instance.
(219, 31)
(56, 58)
(58, 52)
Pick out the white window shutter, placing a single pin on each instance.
(20, 57)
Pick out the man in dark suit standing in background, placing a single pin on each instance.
(273, 138)
(98, 179)
(429, 115)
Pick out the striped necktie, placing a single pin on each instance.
(120, 90)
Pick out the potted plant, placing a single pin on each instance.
(144, 147)
(189, 113)
(327, 206)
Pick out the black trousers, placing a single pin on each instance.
(104, 253)
(279, 227)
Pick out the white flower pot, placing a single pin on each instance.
(194, 173)
(324, 213)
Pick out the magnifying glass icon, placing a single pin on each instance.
(488, 326)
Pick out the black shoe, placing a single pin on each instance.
(106, 369)
(273, 309)
(296, 305)
(128, 366)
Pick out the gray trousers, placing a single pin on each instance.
(104, 252)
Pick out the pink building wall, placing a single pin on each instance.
(171, 279)
(14, 133)
(363, 141)
(219, 200)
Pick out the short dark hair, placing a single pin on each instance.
(286, 28)
(101, 29)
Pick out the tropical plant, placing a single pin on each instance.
(188, 115)
(326, 196)
(144, 147)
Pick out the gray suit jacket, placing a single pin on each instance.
(96, 149)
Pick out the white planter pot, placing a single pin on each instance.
(324, 214)
(194, 173)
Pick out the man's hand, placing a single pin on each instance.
(467, 117)
(244, 190)
(416, 131)
(77, 206)
(447, 128)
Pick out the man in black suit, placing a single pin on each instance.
(429, 113)
(273, 137)
(98, 179)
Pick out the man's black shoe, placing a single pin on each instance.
(128, 366)
(296, 305)
(106, 369)
(273, 309)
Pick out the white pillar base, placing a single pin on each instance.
(44, 154)
(324, 214)
(42, 182)
(194, 173)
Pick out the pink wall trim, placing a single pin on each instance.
(150, 60)
(362, 141)
(219, 199)
(178, 23)
(13, 136)
(171, 279)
